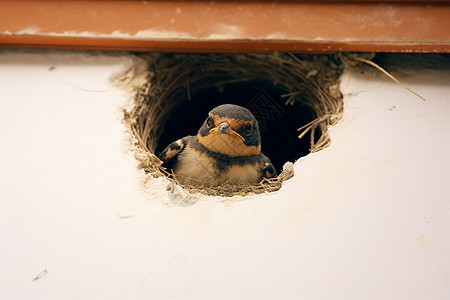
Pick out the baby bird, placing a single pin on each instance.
(226, 149)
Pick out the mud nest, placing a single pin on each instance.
(295, 99)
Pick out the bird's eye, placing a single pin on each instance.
(248, 129)
(209, 122)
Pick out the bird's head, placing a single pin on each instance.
(231, 130)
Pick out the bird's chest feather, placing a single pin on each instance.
(248, 173)
(197, 167)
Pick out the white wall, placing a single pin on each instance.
(367, 218)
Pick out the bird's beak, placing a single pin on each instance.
(224, 128)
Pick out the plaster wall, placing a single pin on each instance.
(366, 218)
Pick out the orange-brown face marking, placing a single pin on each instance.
(234, 124)
(230, 144)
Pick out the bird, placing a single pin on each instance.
(226, 150)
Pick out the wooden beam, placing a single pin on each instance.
(227, 26)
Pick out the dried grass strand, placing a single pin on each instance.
(390, 76)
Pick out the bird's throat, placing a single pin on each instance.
(227, 144)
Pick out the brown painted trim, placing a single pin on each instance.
(236, 46)
(226, 26)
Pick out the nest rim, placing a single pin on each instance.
(168, 80)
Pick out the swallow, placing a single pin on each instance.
(226, 149)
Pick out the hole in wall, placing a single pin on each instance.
(278, 122)
(284, 92)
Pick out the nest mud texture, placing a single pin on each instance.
(295, 99)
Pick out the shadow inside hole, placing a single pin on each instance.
(278, 122)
